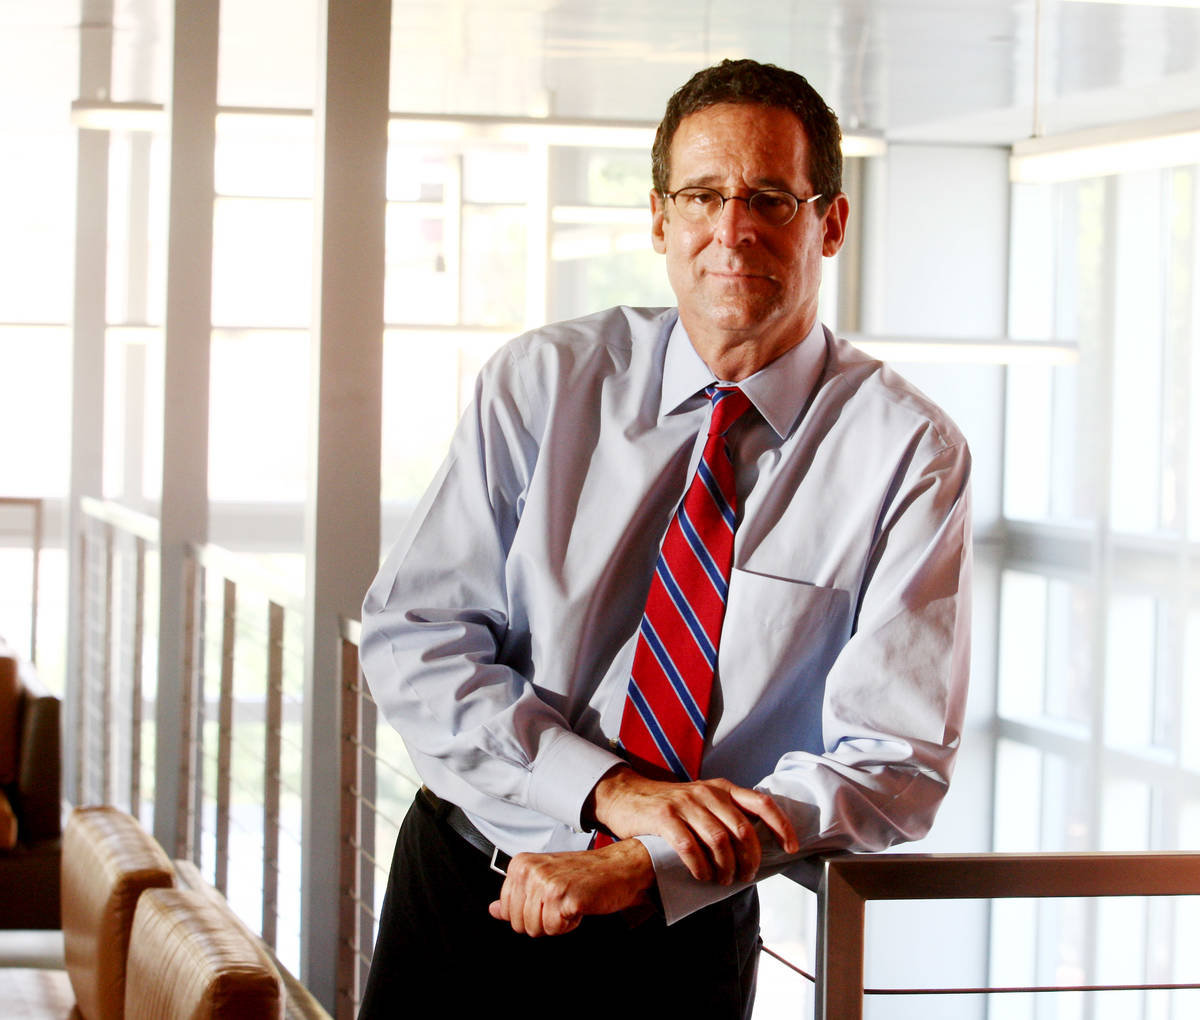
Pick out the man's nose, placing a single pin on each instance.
(735, 224)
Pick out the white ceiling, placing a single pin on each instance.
(918, 70)
(948, 71)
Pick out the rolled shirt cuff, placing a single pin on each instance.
(679, 893)
(565, 776)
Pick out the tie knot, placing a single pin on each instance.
(729, 404)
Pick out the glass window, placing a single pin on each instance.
(428, 382)
(1180, 348)
(1017, 811)
(264, 155)
(422, 265)
(1185, 946)
(1023, 645)
(133, 414)
(1130, 675)
(497, 175)
(37, 178)
(137, 229)
(1053, 414)
(1028, 422)
(268, 52)
(1137, 354)
(1032, 276)
(36, 362)
(258, 416)
(141, 51)
(1108, 446)
(1070, 638)
(1190, 693)
(262, 262)
(493, 261)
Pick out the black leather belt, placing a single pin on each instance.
(457, 819)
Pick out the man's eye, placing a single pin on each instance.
(699, 198)
(770, 200)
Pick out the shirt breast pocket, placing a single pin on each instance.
(780, 638)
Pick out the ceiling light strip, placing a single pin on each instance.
(1171, 140)
(419, 128)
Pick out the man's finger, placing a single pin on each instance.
(772, 815)
(684, 841)
(725, 852)
(738, 833)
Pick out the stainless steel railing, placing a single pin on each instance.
(118, 548)
(242, 723)
(849, 883)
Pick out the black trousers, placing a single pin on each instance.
(439, 950)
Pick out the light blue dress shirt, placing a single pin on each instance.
(499, 634)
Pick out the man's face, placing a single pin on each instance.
(740, 283)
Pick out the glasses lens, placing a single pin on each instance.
(700, 205)
(773, 207)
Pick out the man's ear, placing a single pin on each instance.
(835, 225)
(658, 212)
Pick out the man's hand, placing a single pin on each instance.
(549, 894)
(708, 823)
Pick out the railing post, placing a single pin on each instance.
(106, 674)
(368, 785)
(225, 734)
(272, 772)
(841, 915)
(77, 686)
(193, 637)
(349, 946)
(136, 694)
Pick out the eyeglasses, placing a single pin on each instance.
(772, 207)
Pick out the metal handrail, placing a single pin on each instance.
(244, 587)
(848, 883)
(121, 517)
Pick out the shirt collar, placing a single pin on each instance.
(779, 390)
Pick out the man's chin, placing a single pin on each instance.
(743, 316)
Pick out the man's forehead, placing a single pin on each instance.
(769, 141)
(744, 112)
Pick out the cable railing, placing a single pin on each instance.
(377, 788)
(241, 739)
(850, 882)
(241, 760)
(243, 671)
(378, 785)
(118, 550)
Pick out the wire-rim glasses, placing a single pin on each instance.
(772, 207)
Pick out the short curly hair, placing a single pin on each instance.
(748, 81)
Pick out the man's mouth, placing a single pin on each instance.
(739, 273)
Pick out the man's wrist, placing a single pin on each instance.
(596, 802)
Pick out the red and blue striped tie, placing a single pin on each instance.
(673, 667)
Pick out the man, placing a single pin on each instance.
(512, 633)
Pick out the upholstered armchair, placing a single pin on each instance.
(30, 798)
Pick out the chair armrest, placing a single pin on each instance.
(38, 801)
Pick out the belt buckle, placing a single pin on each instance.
(494, 866)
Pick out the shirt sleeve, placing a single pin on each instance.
(437, 617)
(894, 697)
